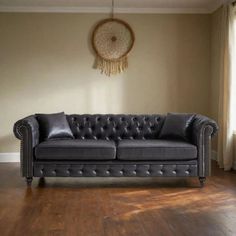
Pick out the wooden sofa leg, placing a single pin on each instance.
(29, 180)
(202, 181)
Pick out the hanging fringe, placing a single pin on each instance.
(111, 67)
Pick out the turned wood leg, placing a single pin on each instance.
(202, 181)
(29, 180)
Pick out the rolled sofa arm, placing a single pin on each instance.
(27, 130)
(203, 130)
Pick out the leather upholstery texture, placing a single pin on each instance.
(203, 130)
(76, 150)
(54, 126)
(160, 150)
(27, 130)
(177, 126)
(115, 170)
(115, 128)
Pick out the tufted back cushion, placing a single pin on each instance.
(116, 127)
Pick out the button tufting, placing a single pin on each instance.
(123, 170)
(122, 125)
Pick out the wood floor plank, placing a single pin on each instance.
(117, 206)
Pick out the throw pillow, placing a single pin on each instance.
(176, 126)
(54, 126)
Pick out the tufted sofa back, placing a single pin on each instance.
(116, 127)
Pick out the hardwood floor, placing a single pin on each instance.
(117, 206)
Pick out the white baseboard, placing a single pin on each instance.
(214, 155)
(234, 166)
(215, 158)
(10, 157)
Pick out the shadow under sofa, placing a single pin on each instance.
(115, 146)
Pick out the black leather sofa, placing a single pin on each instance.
(115, 146)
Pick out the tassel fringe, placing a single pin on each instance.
(111, 67)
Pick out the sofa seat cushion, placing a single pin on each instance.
(157, 150)
(76, 150)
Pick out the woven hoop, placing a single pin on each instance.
(112, 40)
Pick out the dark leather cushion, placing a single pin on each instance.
(159, 150)
(54, 126)
(76, 150)
(177, 126)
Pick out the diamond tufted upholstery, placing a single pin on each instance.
(115, 127)
(136, 137)
(115, 170)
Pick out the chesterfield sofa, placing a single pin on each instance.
(115, 146)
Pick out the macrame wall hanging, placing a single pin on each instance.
(112, 40)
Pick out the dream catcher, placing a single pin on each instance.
(112, 40)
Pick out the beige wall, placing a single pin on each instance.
(46, 66)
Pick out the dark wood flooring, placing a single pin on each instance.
(117, 206)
